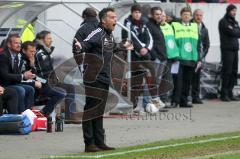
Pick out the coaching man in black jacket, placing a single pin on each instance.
(229, 34)
(98, 45)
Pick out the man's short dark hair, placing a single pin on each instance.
(136, 7)
(42, 34)
(103, 13)
(28, 43)
(89, 12)
(154, 9)
(11, 36)
(186, 9)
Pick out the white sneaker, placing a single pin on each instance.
(138, 109)
(159, 104)
(152, 108)
(142, 113)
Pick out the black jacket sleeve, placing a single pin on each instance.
(153, 52)
(159, 47)
(227, 29)
(199, 48)
(43, 64)
(138, 45)
(40, 64)
(92, 40)
(5, 75)
(205, 43)
(149, 39)
(80, 35)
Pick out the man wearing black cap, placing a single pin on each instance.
(229, 34)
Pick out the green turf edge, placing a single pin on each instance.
(178, 151)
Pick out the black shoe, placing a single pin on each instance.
(104, 147)
(185, 105)
(234, 98)
(225, 99)
(197, 101)
(92, 148)
(173, 105)
(163, 110)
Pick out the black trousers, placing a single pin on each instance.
(229, 71)
(187, 75)
(55, 94)
(182, 83)
(9, 100)
(196, 85)
(92, 121)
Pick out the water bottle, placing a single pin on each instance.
(49, 124)
(59, 124)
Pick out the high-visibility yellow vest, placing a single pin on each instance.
(172, 49)
(28, 33)
(187, 40)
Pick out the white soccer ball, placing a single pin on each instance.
(151, 108)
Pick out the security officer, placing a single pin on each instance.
(172, 56)
(229, 34)
(28, 34)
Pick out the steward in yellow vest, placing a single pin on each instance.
(172, 48)
(187, 39)
(28, 34)
(186, 36)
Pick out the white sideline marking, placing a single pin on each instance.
(150, 148)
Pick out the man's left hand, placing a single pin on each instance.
(1, 90)
(128, 45)
(78, 44)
